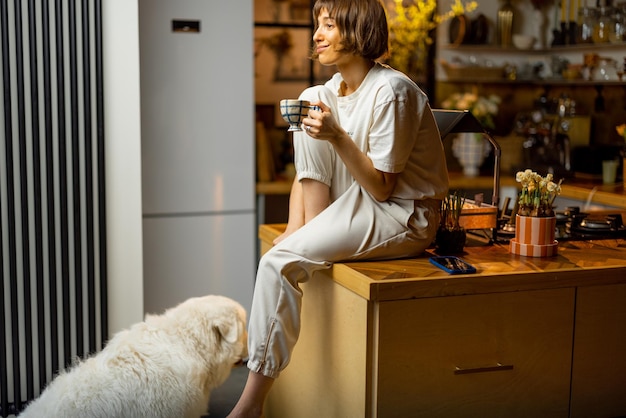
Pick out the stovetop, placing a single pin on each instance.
(572, 224)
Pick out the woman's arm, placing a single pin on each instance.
(325, 127)
(316, 198)
(378, 183)
(296, 211)
(306, 200)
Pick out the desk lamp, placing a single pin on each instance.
(457, 121)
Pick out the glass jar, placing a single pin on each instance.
(618, 31)
(587, 19)
(603, 26)
(606, 70)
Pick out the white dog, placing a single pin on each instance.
(163, 367)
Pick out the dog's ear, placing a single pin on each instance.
(229, 328)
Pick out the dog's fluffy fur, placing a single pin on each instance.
(163, 367)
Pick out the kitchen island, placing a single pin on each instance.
(523, 337)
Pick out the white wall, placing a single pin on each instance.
(123, 162)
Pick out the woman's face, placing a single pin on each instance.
(327, 40)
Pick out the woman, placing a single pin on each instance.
(371, 173)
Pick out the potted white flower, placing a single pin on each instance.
(538, 193)
(535, 221)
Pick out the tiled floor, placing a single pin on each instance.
(224, 397)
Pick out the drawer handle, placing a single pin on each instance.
(497, 368)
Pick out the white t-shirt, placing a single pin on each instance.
(389, 118)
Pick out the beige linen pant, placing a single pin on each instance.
(354, 227)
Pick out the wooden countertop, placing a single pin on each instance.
(578, 189)
(578, 263)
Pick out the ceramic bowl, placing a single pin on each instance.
(572, 74)
(523, 41)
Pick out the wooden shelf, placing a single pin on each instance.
(498, 50)
(537, 82)
(495, 49)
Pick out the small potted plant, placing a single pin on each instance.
(538, 193)
(535, 221)
(451, 236)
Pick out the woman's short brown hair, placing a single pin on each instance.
(362, 24)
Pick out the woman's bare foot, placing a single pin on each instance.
(239, 412)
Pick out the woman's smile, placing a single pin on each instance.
(321, 48)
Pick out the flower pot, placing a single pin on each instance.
(450, 241)
(534, 236)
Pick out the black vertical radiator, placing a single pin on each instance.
(52, 212)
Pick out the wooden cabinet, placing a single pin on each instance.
(599, 365)
(329, 371)
(497, 355)
(524, 337)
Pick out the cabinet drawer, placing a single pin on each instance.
(599, 367)
(497, 355)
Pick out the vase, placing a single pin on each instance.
(534, 236)
(540, 20)
(504, 24)
(470, 149)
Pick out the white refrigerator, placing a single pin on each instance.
(197, 122)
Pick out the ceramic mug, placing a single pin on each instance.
(293, 111)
